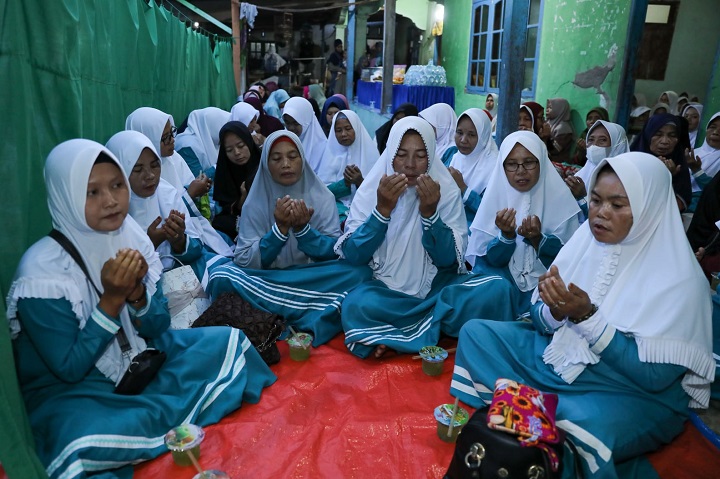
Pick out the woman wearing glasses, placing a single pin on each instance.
(526, 216)
(159, 127)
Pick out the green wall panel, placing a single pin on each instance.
(72, 68)
(576, 54)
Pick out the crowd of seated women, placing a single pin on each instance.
(559, 262)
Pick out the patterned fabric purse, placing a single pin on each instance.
(515, 437)
(528, 413)
(262, 328)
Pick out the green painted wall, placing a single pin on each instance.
(575, 40)
(575, 37)
(455, 44)
(692, 53)
(415, 10)
(712, 102)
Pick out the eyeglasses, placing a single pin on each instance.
(527, 166)
(167, 137)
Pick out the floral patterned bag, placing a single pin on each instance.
(515, 437)
(526, 412)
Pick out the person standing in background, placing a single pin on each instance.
(336, 67)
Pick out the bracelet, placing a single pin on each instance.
(142, 296)
(593, 310)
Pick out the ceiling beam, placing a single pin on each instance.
(206, 16)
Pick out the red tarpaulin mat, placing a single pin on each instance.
(337, 416)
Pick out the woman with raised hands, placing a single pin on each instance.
(67, 322)
(610, 332)
(284, 259)
(527, 214)
(407, 222)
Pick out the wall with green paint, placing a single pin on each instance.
(692, 52)
(415, 10)
(712, 93)
(582, 46)
(575, 38)
(455, 44)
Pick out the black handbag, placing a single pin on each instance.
(484, 453)
(146, 364)
(262, 328)
(142, 369)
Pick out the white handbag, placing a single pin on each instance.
(185, 295)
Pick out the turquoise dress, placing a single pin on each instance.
(81, 426)
(373, 314)
(194, 163)
(340, 190)
(614, 411)
(308, 296)
(498, 256)
(448, 155)
(471, 203)
(715, 388)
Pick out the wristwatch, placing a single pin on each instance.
(593, 310)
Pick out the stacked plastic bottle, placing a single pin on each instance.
(426, 75)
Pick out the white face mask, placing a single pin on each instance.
(597, 153)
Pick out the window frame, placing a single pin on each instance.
(488, 60)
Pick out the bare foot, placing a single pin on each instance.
(380, 351)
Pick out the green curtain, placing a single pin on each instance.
(76, 69)
(17, 448)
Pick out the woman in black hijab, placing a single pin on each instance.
(382, 133)
(666, 137)
(237, 163)
(703, 232)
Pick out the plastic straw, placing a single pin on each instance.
(294, 333)
(195, 462)
(452, 418)
(450, 350)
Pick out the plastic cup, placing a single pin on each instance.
(300, 345)
(183, 439)
(433, 358)
(211, 474)
(442, 415)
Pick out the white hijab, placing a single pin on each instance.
(47, 271)
(618, 145)
(362, 153)
(649, 285)
(151, 123)
(550, 200)
(202, 134)
(694, 133)
(672, 101)
(401, 261)
(477, 167)
(639, 111)
(127, 146)
(709, 156)
(443, 118)
(259, 208)
(657, 106)
(244, 113)
(312, 136)
(494, 110)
